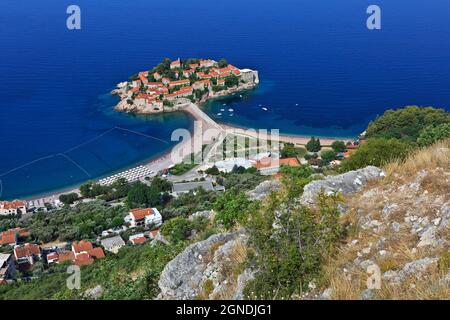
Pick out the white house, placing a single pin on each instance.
(12, 208)
(141, 217)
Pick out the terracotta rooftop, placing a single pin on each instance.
(140, 214)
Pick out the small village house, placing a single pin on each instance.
(137, 238)
(141, 217)
(175, 64)
(27, 253)
(113, 244)
(12, 208)
(85, 253)
(11, 236)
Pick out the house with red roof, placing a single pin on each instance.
(207, 63)
(188, 73)
(12, 208)
(52, 257)
(9, 237)
(202, 84)
(85, 254)
(175, 64)
(269, 165)
(157, 76)
(147, 216)
(176, 83)
(27, 253)
(137, 238)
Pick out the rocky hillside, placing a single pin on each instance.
(399, 224)
(396, 221)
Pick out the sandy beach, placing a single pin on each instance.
(295, 139)
(165, 161)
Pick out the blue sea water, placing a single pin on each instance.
(322, 73)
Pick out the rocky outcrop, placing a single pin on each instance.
(403, 230)
(264, 189)
(202, 269)
(346, 183)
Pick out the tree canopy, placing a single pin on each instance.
(406, 123)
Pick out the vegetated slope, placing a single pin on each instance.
(400, 223)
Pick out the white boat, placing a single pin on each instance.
(224, 104)
(222, 110)
(240, 95)
(231, 110)
(219, 114)
(265, 109)
(231, 114)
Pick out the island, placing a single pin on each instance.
(175, 83)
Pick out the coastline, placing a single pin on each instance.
(164, 161)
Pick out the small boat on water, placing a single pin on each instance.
(231, 110)
(231, 114)
(219, 114)
(224, 104)
(264, 108)
(222, 110)
(240, 95)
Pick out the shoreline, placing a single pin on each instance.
(164, 161)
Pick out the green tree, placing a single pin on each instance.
(406, 123)
(338, 146)
(68, 198)
(213, 171)
(328, 156)
(232, 207)
(222, 63)
(376, 152)
(176, 229)
(431, 134)
(313, 145)
(140, 195)
(231, 81)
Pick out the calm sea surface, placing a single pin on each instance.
(322, 73)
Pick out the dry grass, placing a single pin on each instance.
(346, 279)
(435, 156)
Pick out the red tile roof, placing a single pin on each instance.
(140, 214)
(9, 236)
(26, 250)
(81, 246)
(138, 240)
(97, 253)
(83, 259)
(12, 205)
(66, 256)
(52, 256)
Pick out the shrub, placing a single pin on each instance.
(406, 123)
(68, 198)
(376, 152)
(338, 146)
(313, 145)
(176, 229)
(232, 207)
(431, 134)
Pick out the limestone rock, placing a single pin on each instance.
(346, 183)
